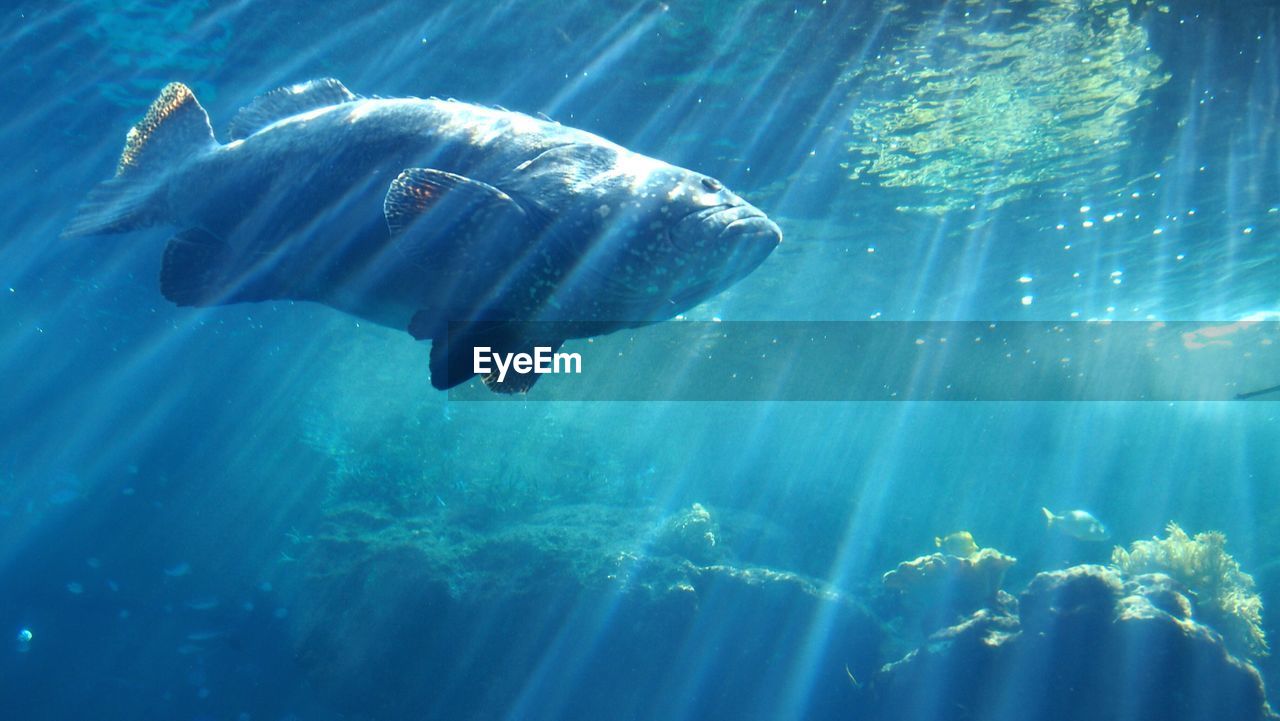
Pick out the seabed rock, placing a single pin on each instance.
(1087, 644)
(582, 612)
(933, 591)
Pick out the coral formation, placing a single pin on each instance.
(1069, 655)
(691, 534)
(936, 589)
(1225, 595)
(415, 618)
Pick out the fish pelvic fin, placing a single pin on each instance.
(1049, 518)
(175, 127)
(453, 354)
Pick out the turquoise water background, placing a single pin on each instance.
(164, 471)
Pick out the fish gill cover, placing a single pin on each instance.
(984, 103)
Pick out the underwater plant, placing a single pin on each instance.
(1225, 594)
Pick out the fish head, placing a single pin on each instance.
(661, 238)
(717, 240)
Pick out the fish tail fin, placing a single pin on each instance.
(175, 127)
(1048, 515)
(118, 205)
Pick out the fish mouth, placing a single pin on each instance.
(738, 223)
(748, 237)
(754, 228)
(736, 239)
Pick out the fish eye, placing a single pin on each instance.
(712, 184)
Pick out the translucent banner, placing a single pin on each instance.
(873, 361)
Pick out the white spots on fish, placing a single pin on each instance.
(75, 588)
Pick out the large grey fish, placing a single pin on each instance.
(467, 225)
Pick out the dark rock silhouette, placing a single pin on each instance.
(1085, 645)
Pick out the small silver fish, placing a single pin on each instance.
(1077, 524)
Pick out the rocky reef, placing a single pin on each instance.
(935, 590)
(587, 611)
(579, 611)
(1082, 644)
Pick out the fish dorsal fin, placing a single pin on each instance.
(174, 127)
(287, 101)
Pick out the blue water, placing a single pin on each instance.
(223, 513)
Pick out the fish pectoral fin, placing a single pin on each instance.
(193, 269)
(448, 206)
(454, 355)
(288, 101)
